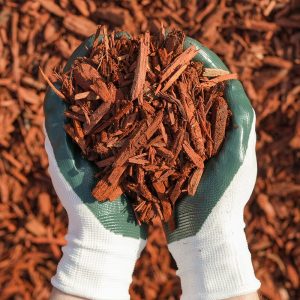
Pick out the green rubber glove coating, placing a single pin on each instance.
(191, 212)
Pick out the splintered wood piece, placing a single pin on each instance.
(171, 114)
(174, 100)
(164, 152)
(84, 74)
(105, 162)
(219, 121)
(55, 90)
(154, 125)
(159, 212)
(81, 96)
(123, 111)
(193, 125)
(193, 156)
(156, 140)
(162, 130)
(205, 127)
(100, 190)
(138, 161)
(78, 129)
(145, 192)
(141, 68)
(151, 155)
(166, 174)
(130, 148)
(194, 180)
(176, 192)
(167, 210)
(173, 78)
(106, 43)
(89, 78)
(148, 107)
(160, 188)
(75, 116)
(108, 185)
(177, 146)
(96, 40)
(115, 193)
(71, 132)
(214, 72)
(181, 60)
(95, 118)
(225, 77)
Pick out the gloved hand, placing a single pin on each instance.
(103, 240)
(209, 244)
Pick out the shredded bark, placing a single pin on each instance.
(170, 131)
(141, 68)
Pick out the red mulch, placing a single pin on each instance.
(258, 39)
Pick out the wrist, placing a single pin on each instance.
(252, 296)
(59, 295)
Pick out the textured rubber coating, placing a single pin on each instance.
(191, 212)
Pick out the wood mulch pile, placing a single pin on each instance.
(258, 40)
(147, 116)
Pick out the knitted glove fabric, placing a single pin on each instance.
(209, 244)
(103, 240)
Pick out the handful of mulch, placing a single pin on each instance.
(147, 115)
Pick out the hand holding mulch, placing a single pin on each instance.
(145, 113)
(147, 116)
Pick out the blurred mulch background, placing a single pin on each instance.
(258, 39)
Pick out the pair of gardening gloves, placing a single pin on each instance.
(209, 243)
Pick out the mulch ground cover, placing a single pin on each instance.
(147, 116)
(258, 40)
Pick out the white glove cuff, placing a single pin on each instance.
(216, 271)
(96, 274)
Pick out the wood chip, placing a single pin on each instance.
(141, 68)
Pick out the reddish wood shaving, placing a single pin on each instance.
(141, 68)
